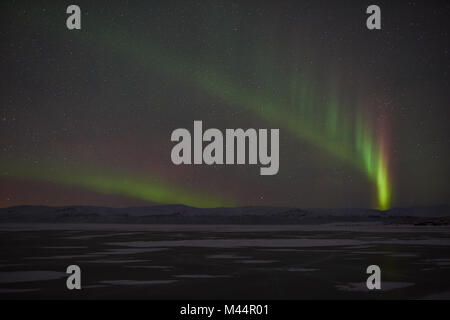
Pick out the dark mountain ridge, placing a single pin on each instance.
(162, 214)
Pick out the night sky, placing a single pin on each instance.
(86, 115)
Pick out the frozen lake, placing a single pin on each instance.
(224, 261)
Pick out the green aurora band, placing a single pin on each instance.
(323, 122)
(114, 182)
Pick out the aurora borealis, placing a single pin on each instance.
(87, 115)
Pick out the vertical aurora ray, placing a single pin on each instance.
(382, 171)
